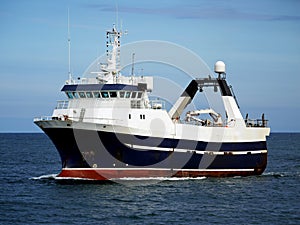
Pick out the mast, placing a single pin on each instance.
(113, 52)
(69, 49)
(110, 71)
(132, 68)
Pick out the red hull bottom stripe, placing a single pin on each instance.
(108, 174)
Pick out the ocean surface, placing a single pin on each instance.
(30, 194)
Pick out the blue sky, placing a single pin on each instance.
(258, 40)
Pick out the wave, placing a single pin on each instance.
(281, 174)
(73, 178)
(68, 180)
(45, 177)
(145, 179)
(55, 177)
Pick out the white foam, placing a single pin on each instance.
(274, 174)
(157, 178)
(72, 178)
(55, 177)
(45, 177)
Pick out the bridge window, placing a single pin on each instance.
(140, 94)
(96, 94)
(89, 94)
(75, 94)
(113, 94)
(69, 94)
(122, 94)
(81, 94)
(133, 95)
(127, 95)
(104, 94)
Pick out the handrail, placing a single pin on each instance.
(249, 123)
(157, 104)
(256, 123)
(42, 118)
(67, 118)
(62, 104)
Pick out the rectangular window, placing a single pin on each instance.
(69, 94)
(96, 94)
(81, 94)
(129, 116)
(75, 94)
(143, 117)
(140, 94)
(133, 95)
(122, 94)
(127, 94)
(89, 94)
(104, 94)
(113, 94)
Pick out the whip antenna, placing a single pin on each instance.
(117, 17)
(132, 67)
(69, 48)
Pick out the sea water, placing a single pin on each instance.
(31, 194)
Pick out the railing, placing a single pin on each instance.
(204, 123)
(248, 122)
(256, 123)
(42, 118)
(157, 104)
(51, 118)
(135, 104)
(62, 105)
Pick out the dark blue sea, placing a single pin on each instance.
(30, 194)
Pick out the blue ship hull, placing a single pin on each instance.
(104, 155)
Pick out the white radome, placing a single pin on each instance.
(220, 67)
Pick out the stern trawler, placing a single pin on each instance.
(108, 128)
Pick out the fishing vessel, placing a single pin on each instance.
(109, 128)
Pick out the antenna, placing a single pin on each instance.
(69, 48)
(132, 68)
(117, 16)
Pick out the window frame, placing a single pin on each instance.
(81, 94)
(96, 94)
(127, 94)
(139, 94)
(113, 94)
(69, 95)
(122, 94)
(75, 94)
(104, 94)
(133, 94)
(89, 94)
